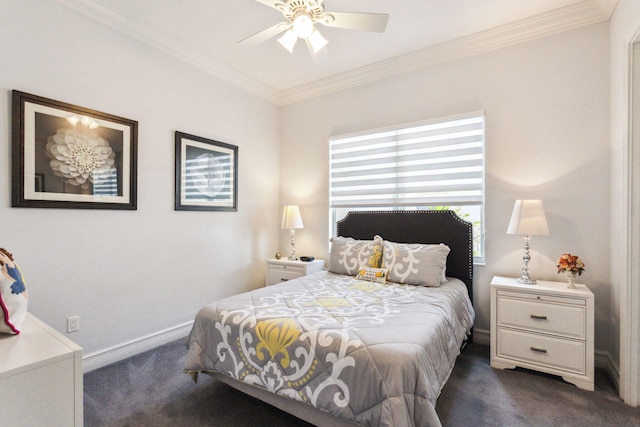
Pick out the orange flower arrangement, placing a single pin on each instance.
(570, 264)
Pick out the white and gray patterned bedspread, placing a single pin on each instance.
(375, 354)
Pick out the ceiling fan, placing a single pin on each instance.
(302, 15)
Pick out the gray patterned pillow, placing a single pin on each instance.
(347, 254)
(416, 264)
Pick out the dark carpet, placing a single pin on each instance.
(150, 389)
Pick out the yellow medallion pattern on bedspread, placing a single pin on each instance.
(281, 353)
(320, 339)
(275, 336)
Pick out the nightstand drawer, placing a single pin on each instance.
(541, 297)
(544, 350)
(557, 319)
(277, 275)
(281, 270)
(294, 269)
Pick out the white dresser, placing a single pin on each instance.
(546, 327)
(40, 378)
(281, 270)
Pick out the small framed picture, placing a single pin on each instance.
(65, 156)
(206, 174)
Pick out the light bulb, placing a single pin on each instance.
(302, 26)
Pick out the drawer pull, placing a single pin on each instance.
(535, 316)
(282, 279)
(538, 350)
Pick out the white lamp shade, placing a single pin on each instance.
(288, 40)
(528, 219)
(291, 218)
(316, 41)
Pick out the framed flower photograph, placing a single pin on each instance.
(206, 174)
(65, 156)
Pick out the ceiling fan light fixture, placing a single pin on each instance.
(303, 25)
(317, 41)
(288, 40)
(301, 17)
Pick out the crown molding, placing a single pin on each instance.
(607, 6)
(560, 20)
(138, 30)
(586, 12)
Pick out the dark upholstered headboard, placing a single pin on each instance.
(418, 227)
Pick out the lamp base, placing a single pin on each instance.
(526, 281)
(293, 256)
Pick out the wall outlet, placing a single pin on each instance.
(73, 323)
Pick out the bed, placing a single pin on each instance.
(359, 343)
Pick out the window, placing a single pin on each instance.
(105, 183)
(435, 164)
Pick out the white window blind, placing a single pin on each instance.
(105, 183)
(434, 163)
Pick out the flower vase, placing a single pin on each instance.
(571, 278)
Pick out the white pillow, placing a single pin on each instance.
(416, 264)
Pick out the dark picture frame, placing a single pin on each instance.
(66, 156)
(206, 174)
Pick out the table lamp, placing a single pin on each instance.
(528, 219)
(291, 220)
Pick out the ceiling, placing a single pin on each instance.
(420, 33)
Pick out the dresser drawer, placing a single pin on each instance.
(557, 319)
(548, 351)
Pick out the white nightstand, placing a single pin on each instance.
(281, 270)
(40, 377)
(546, 327)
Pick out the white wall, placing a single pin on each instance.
(132, 273)
(547, 136)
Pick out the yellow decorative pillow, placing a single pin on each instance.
(378, 275)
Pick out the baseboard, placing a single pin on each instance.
(481, 336)
(604, 361)
(119, 352)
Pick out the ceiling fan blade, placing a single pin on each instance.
(376, 22)
(265, 34)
